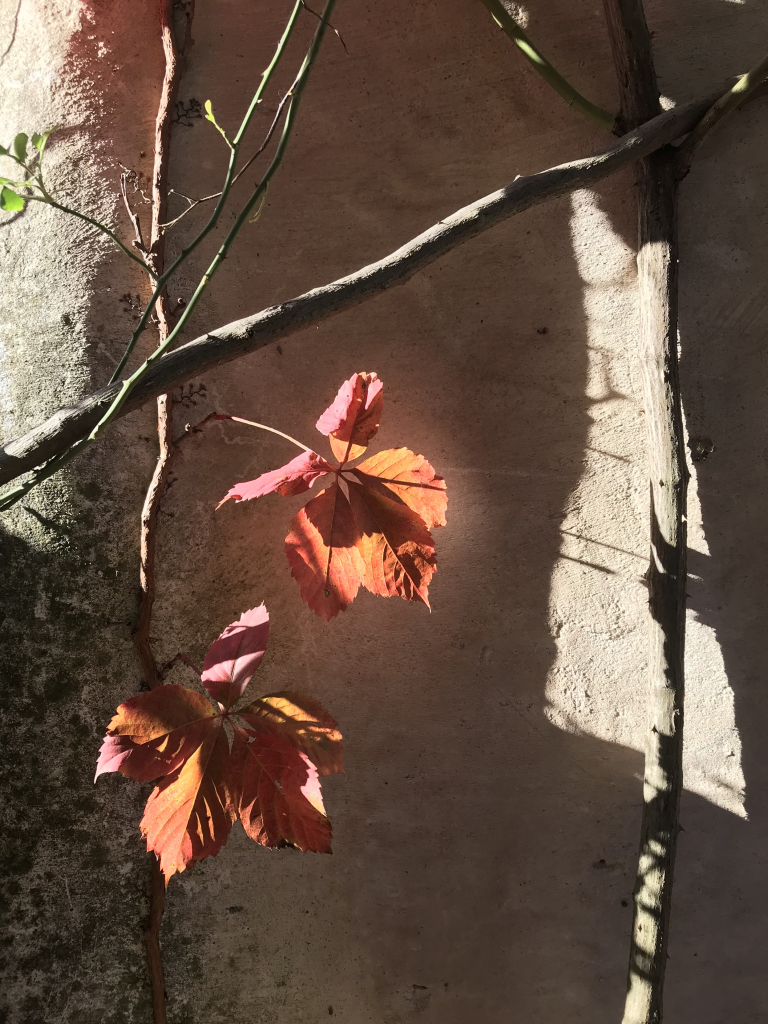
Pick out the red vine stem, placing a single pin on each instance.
(155, 256)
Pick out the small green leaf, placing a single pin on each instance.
(20, 147)
(42, 140)
(36, 140)
(10, 181)
(3, 151)
(11, 201)
(209, 116)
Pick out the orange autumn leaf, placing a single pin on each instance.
(395, 546)
(269, 779)
(322, 553)
(353, 417)
(188, 816)
(371, 526)
(410, 478)
(304, 722)
(153, 734)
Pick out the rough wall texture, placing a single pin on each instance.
(486, 831)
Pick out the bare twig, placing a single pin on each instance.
(327, 24)
(551, 76)
(217, 195)
(726, 105)
(657, 262)
(211, 223)
(138, 240)
(196, 428)
(66, 426)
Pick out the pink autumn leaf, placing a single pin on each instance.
(235, 656)
(354, 416)
(295, 477)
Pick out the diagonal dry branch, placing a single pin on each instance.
(69, 425)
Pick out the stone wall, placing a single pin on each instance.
(485, 834)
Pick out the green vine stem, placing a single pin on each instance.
(35, 180)
(290, 119)
(551, 76)
(50, 201)
(727, 103)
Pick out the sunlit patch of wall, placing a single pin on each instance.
(597, 685)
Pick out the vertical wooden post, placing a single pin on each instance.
(657, 262)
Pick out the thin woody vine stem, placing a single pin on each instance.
(234, 147)
(216, 195)
(155, 257)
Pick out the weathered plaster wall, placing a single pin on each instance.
(486, 832)
(74, 880)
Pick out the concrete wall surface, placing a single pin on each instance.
(485, 834)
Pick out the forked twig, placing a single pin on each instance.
(327, 24)
(132, 216)
(217, 195)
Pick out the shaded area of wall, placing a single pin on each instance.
(724, 325)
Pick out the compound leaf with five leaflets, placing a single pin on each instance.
(371, 526)
(269, 779)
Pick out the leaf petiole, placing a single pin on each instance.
(263, 426)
